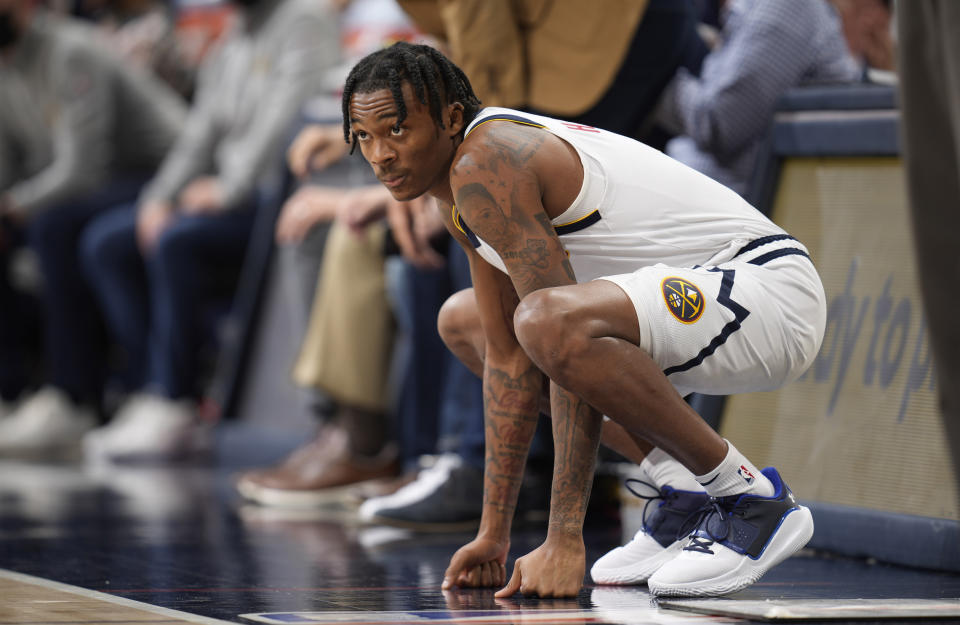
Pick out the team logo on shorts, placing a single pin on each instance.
(683, 298)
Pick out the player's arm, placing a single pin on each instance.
(498, 189)
(511, 397)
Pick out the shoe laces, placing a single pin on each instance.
(662, 494)
(721, 508)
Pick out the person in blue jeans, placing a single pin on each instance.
(79, 131)
(159, 300)
(439, 413)
(158, 266)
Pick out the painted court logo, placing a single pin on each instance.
(745, 474)
(683, 298)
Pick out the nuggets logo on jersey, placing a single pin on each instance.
(683, 298)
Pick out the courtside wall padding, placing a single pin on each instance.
(859, 435)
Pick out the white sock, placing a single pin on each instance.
(734, 476)
(665, 471)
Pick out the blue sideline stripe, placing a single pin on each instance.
(740, 313)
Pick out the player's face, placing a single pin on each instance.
(410, 158)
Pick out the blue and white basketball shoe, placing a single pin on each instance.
(656, 543)
(735, 541)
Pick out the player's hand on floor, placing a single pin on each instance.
(554, 569)
(480, 563)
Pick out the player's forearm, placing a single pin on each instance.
(576, 436)
(511, 400)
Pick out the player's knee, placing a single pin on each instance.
(458, 319)
(547, 326)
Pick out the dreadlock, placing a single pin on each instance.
(429, 73)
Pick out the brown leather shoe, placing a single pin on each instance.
(319, 473)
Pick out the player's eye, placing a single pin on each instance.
(361, 135)
(396, 130)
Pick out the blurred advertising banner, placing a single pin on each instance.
(861, 427)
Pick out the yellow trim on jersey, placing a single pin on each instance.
(503, 119)
(456, 219)
(576, 221)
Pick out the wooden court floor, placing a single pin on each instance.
(83, 545)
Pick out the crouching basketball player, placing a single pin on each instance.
(628, 280)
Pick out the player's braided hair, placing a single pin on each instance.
(431, 75)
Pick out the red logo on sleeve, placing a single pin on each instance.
(584, 127)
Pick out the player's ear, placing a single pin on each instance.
(455, 119)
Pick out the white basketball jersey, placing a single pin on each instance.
(637, 207)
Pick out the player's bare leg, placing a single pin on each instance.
(459, 327)
(585, 337)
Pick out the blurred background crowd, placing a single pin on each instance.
(158, 157)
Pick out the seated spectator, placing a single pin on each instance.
(79, 132)
(765, 47)
(442, 490)
(144, 33)
(158, 266)
(345, 355)
(346, 352)
(600, 63)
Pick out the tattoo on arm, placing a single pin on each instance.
(511, 408)
(527, 243)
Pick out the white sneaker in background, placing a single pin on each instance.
(447, 495)
(47, 423)
(96, 443)
(150, 428)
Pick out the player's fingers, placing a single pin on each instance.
(474, 577)
(450, 577)
(513, 586)
(486, 574)
(454, 572)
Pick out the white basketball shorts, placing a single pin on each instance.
(751, 323)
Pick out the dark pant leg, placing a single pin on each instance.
(114, 269)
(75, 349)
(418, 295)
(461, 409)
(193, 268)
(930, 102)
(20, 325)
